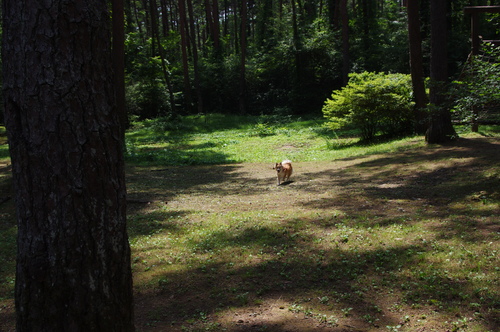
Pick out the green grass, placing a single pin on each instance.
(388, 236)
(217, 139)
(392, 235)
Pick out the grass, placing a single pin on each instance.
(236, 139)
(392, 236)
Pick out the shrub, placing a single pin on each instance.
(479, 89)
(372, 103)
(148, 99)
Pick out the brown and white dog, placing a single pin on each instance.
(283, 169)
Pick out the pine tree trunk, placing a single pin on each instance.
(416, 65)
(183, 27)
(73, 261)
(345, 42)
(243, 48)
(194, 47)
(440, 129)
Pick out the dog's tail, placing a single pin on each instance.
(286, 161)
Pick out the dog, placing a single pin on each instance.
(283, 169)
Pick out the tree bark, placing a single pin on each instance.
(188, 100)
(345, 42)
(416, 65)
(194, 47)
(73, 257)
(243, 50)
(440, 129)
(155, 30)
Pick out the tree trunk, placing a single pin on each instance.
(416, 66)
(216, 25)
(345, 42)
(73, 257)
(196, 72)
(164, 18)
(155, 30)
(243, 49)
(440, 130)
(188, 100)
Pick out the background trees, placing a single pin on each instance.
(295, 51)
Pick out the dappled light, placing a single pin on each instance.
(398, 238)
(402, 239)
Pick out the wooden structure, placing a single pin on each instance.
(475, 36)
(476, 43)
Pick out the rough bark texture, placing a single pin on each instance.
(73, 262)
(440, 129)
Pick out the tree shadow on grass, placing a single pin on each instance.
(188, 155)
(164, 183)
(427, 178)
(152, 222)
(402, 189)
(356, 287)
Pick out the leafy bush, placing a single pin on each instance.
(148, 99)
(372, 103)
(480, 87)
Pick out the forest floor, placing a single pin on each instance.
(405, 241)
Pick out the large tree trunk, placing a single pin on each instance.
(416, 65)
(440, 130)
(73, 261)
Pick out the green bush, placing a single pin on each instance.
(372, 103)
(148, 99)
(479, 89)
